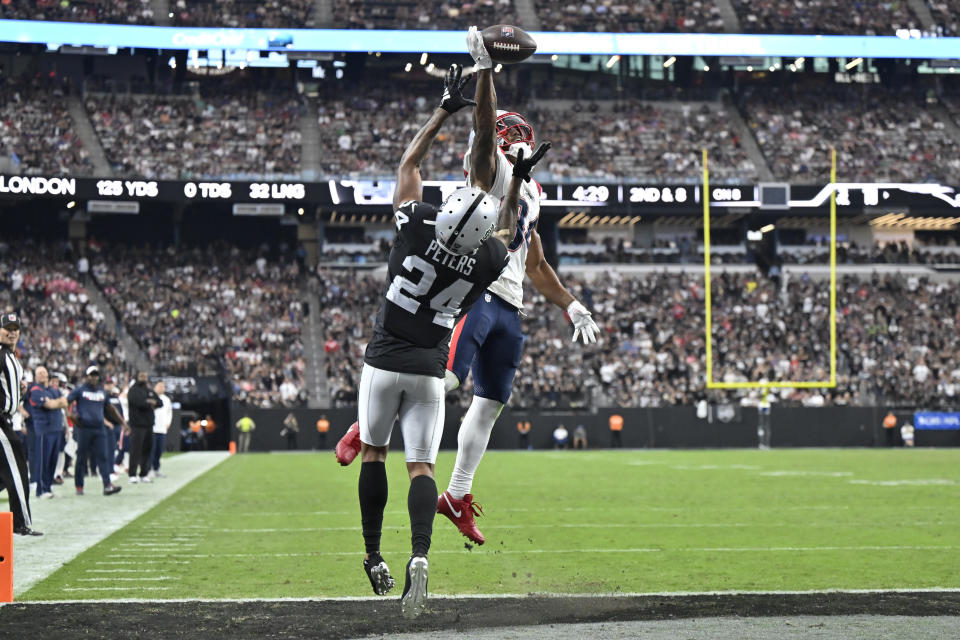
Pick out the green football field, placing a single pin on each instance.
(288, 525)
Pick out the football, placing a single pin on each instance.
(508, 44)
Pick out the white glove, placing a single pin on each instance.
(477, 49)
(583, 324)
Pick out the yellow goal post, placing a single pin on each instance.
(708, 300)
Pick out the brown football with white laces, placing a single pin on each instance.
(508, 44)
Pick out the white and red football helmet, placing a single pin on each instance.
(512, 121)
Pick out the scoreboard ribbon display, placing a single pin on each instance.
(377, 195)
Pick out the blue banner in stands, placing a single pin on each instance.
(343, 40)
(936, 421)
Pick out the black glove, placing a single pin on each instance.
(522, 168)
(453, 100)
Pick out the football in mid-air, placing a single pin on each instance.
(507, 44)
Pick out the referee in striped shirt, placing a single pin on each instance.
(13, 462)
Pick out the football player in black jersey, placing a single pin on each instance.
(442, 260)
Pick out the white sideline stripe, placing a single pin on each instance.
(167, 545)
(122, 570)
(130, 588)
(592, 525)
(155, 578)
(37, 558)
(139, 562)
(639, 508)
(568, 551)
(485, 596)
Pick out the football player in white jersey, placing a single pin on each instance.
(488, 340)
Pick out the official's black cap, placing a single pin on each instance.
(10, 320)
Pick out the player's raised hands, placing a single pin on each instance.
(478, 50)
(453, 100)
(522, 168)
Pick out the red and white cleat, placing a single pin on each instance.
(461, 513)
(349, 445)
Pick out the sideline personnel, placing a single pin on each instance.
(13, 462)
(91, 432)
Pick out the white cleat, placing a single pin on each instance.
(414, 598)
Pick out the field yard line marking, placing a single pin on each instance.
(567, 551)
(130, 588)
(122, 570)
(477, 596)
(591, 525)
(354, 514)
(139, 562)
(154, 578)
(37, 558)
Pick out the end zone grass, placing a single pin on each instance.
(288, 525)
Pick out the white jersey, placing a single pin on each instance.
(509, 286)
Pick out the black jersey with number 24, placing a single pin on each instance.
(428, 289)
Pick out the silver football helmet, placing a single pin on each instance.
(465, 221)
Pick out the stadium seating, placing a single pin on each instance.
(829, 18)
(421, 14)
(878, 135)
(62, 329)
(640, 16)
(108, 11)
(242, 13)
(653, 344)
(36, 132)
(228, 135)
(946, 16)
(212, 311)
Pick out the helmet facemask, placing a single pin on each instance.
(514, 133)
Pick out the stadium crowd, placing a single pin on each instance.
(946, 16)
(421, 14)
(879, 135)
(645, 141)
(882, 18)
(213, 310)
(181, 137)
(652, 349)
(643, 16)
(107, 11)
(36, 132)
(63, 329)
(242, 13)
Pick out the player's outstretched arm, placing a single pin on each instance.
(483, 159)
(545, 279)
(510, 205)
(409, 182)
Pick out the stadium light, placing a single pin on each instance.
(669, 62)
(408, 67)
(423, 58)
(750, 68)
(496, 69)
(300, 211)
(71, 204)
(799, 61)
(706, 67)
(612, 61)
(767, 229)
(430, 67)
(554, 57)
(853, 63)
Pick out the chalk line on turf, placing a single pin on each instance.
(499, 596)
(72, 524)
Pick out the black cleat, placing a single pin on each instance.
(24, 530)
(379, 574)
(110, 490)
(415, 589)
